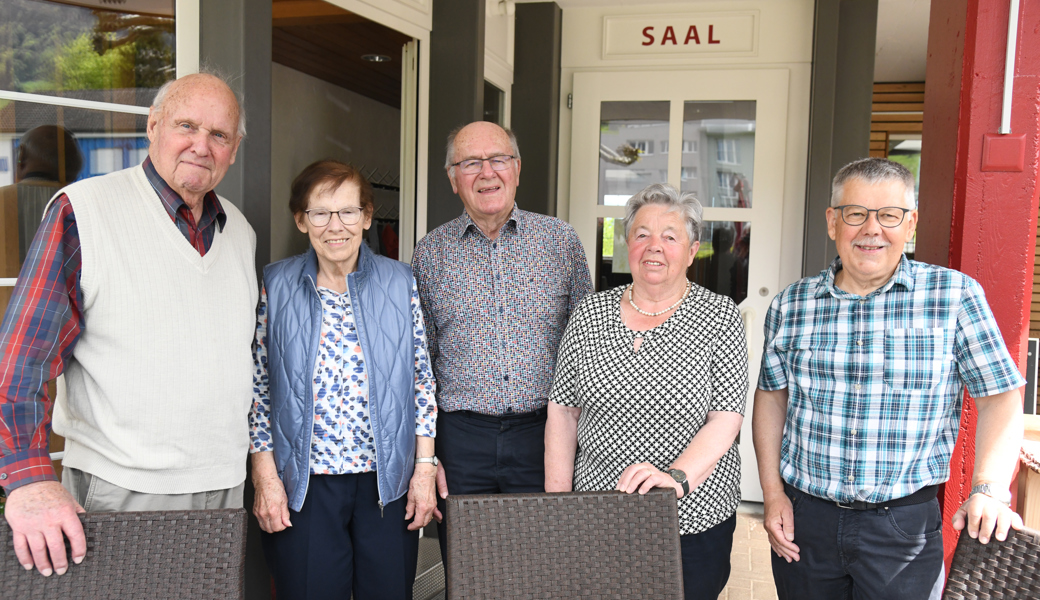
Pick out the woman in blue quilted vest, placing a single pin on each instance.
(343, 414)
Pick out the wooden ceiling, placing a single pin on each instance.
(327, 42)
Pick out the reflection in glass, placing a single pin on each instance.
(718, 152)
(494, 104)
(611, 266)
(721, 264)
(45, 147)
(633, 148)
(104, 54)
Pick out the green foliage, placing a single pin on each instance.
(79, 67)
(49, 47)
(608, 236)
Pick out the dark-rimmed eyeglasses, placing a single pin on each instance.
(887, 216)
(472, 166)
(320, 217)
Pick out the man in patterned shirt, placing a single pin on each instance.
(140, 287)
(497, 286)
(859, 402)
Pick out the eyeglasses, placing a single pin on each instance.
(320, 217)
(888, 216)
(472, 166)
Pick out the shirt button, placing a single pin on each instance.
(501, 309)
(857, 387)
(494, 245)
(506, 378)
(851, 479)
(853, 432)
(859, 342)
(3, 476)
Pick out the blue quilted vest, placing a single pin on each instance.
(380, 293)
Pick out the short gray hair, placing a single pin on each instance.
(449, 149)
(164, 91)
(871, 171)
(665, 194)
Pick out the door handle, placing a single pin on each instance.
(747, 317)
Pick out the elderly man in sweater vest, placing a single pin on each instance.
(140, 287)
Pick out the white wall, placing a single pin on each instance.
(312, 120)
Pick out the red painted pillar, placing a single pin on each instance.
(980, 221)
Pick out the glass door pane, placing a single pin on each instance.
(718, 152)
(633, 148)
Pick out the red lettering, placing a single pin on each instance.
(669, 34)
(648, 34)
(691, 34)
(711, 35)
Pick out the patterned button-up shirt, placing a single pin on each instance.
(44, 319)
(496, 310)
(875, 383)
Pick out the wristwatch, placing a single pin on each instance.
(429, 459)
(1003, 496)
(680, 478)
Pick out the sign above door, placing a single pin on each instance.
(727, 34)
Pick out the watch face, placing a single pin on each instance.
(677, 475)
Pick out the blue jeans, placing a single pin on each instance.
(876, 554)
(706, 560)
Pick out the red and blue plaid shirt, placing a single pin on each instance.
(43, 322)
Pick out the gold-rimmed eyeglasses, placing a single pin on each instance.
(320, 217)
(887, 216)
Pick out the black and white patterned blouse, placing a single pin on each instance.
(648, 405)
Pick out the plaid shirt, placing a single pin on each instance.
(875, 383)
(496, 310)
(43, 322)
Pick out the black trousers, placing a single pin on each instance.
(877, 554)
(490, 455)
(340, 543)
(706, 560)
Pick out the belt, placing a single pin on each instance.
(925, 494)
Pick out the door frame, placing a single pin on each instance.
(770, 89)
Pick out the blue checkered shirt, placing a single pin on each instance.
(875, 383)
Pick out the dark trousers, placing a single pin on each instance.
(705, 560)
(340, 544)
(489, 455)
(876, 554)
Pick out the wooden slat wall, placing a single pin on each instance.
(896, 108)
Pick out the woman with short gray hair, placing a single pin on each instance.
(650, 387)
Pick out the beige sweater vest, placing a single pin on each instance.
(160, 381)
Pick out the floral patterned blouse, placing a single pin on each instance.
(342, 440)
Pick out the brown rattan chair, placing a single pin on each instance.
(172, 554)
(574, 545)
(1008, 570)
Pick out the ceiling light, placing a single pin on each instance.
(377, 58)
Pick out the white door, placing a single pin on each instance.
(720, 134)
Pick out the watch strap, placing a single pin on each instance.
(1002, 496)
(429, 459)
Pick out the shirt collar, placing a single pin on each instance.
(466, 224)
(903, 276)
(172, 202)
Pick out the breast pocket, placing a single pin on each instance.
(914, 358)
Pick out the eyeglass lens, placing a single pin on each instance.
(474, 165)
(889, 216)
(320, 217)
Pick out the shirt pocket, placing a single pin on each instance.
(914, 358)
